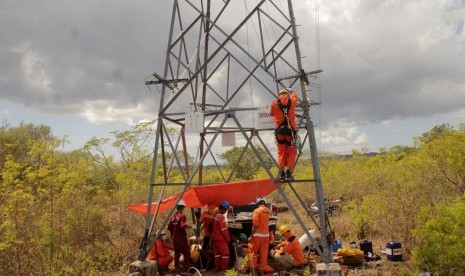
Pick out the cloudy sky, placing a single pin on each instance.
(392, 69)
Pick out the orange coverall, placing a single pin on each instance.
(287, 151)
(220, 240)
(164, 256)
(292, 247)
(177, 228)
(260, 238)
(206, 218)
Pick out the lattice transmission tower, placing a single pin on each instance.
(225, 61)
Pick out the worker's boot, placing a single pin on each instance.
(289, 175)
(282, 176)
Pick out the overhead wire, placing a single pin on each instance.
(318, 61)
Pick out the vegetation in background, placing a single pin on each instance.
(440, 238)
(63, 213)
(244, 161)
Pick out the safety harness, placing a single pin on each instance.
(285, 128)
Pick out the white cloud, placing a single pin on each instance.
(351, 132)
(33, 66)
(361, 139)
(105, 112)
(343, 135)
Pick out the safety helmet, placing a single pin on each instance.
(225, 204)
(285, 91)
(260, 200)
(182, 203)
(283, 229)
(243, 237)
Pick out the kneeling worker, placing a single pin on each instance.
(160, 251)
(288, 253)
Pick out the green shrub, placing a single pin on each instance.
(440, 238)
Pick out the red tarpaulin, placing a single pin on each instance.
(237, 193)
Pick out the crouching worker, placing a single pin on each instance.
(161, 251)
(288, 253)
(220, 238)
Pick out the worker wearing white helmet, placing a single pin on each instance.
(177, 227)
(161, 251)
(283, 111)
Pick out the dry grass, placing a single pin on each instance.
(344, 230)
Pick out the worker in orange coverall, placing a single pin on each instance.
(288, 253)
(283, 112)
(220, 238)
(160, 251)
(259, 237)
(206, 219)
(177, 227)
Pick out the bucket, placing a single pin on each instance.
(394, 251)
(366, 246)
(305, 241)
(337, 245)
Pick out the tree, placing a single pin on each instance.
(435, 133)
(440, 237)
(244, 161)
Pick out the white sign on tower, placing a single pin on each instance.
(194, 122)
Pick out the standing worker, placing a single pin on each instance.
(206, 219)
(283, 112)
(220, 238)
(288, 253)
(259, 236)
(177, 227)
(160, 251)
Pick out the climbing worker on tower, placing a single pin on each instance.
(283, 111)
(220, 238)
(177, 227)
(288, 253)
(259, 237)
(206, 219)
(160, 251)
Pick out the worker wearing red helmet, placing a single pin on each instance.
(177, 227)
(283, 112)
(260, 237)
(160, 251)
(220, 238)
